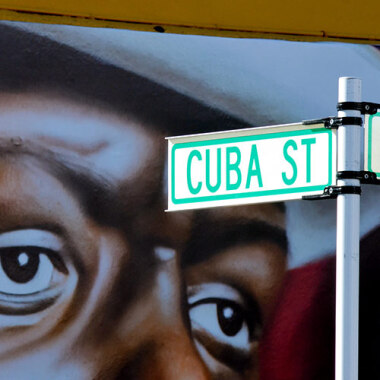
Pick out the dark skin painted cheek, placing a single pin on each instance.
(238, 360)
(153, 323)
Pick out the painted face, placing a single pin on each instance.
(96, 280)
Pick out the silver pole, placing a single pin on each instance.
(348, 237)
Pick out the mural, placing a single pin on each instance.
(96, 280)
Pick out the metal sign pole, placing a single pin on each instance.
(348, 236)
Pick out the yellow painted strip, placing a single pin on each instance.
(342, 20)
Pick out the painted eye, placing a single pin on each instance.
(223, 323)
(32, 272)
(230, 317)
(25, 270)
(222, 319)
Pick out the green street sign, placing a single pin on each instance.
(372, 143)
(255, 165)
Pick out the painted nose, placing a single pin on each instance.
(172, 358)
(169, 352)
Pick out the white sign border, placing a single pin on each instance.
(294, 129)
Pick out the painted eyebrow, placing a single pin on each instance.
(96, 194)
(208, 239)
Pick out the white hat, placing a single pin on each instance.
(262, 82)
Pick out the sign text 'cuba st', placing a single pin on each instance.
(254, 165)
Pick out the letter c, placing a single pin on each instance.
(197, 189)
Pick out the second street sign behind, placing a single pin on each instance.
(372, 143)
(254, 165)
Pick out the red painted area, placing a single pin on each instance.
(299, 342)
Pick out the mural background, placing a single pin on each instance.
(96, 281)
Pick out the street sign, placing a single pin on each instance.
(255, 165)
(372, 143)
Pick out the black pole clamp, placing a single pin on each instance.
(365, 177)
(335, 122)
(364, 107)
(331, 192)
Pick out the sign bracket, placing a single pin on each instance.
(365, 108)
(365, 177)
(332, 192)
(335, 122)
